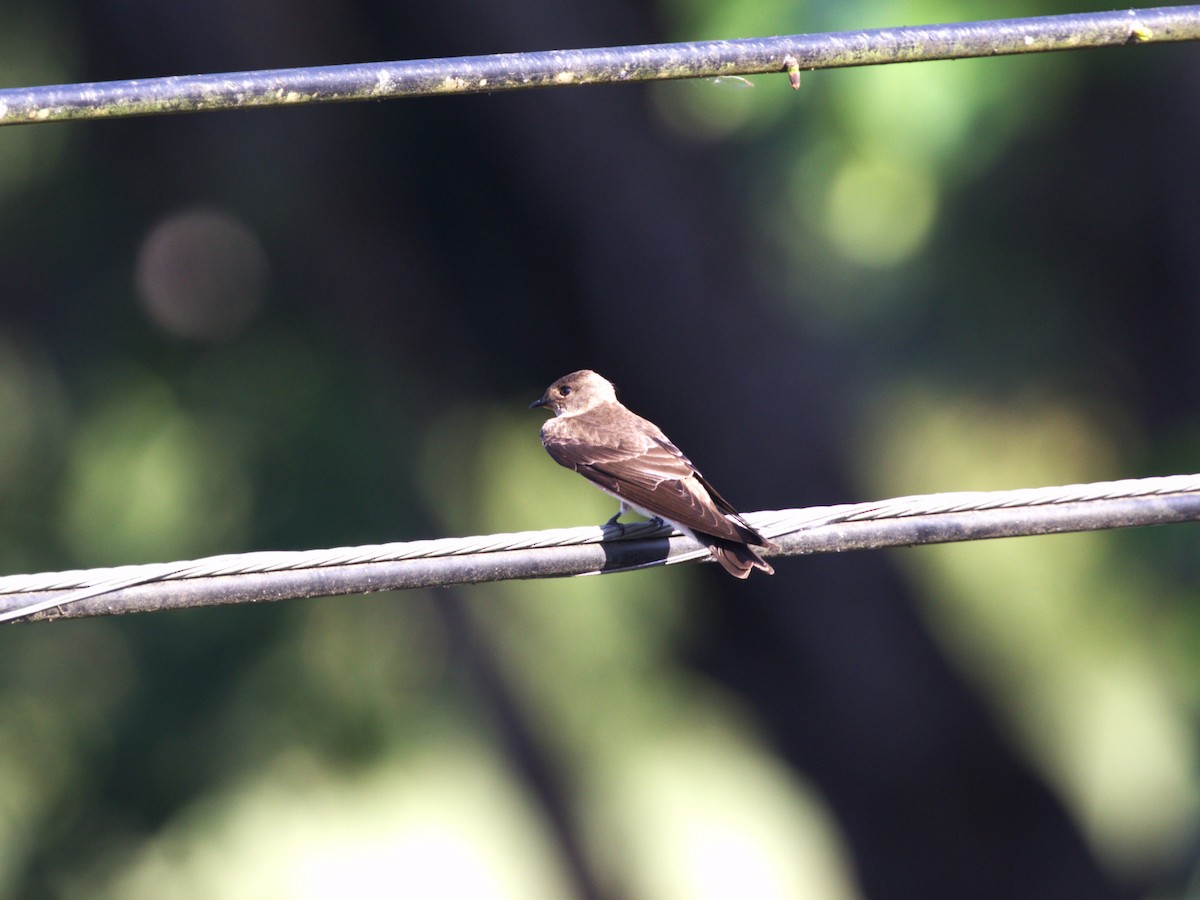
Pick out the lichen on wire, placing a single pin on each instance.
(593, 550)
(787, 55)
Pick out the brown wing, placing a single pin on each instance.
(648, 471)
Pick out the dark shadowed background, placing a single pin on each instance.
(314, 327)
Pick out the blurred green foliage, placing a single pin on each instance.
(341, 741)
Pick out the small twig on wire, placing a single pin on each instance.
(558, 68)
(929, 519)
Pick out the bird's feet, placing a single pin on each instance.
(656, 521)
(621, 510)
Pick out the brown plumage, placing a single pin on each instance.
(629, 458)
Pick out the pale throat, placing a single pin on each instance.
(588, 407)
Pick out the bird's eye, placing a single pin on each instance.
(565, 390)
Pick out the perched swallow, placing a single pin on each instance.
(629, 458)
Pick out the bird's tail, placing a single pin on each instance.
(739, 559)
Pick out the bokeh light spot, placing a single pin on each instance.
(878, 213)
(202, 275)
(149, 481)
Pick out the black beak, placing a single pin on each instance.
(536, 403)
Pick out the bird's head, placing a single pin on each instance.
(576, 393)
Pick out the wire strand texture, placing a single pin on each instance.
(917, 520)
(560, 68)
